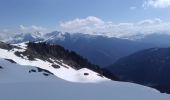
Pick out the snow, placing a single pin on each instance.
(14, 73)
(68, 74)
(17, 84)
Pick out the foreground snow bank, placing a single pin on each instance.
(16, 83)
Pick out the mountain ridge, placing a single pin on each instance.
(148, 67)
(53, 57)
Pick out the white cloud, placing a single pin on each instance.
(150, 22)
(5, 30)
(86, 24)
(89, 24)
(7, 33)
(22, 27)
(94, 25)
(157, 3)
(133, 8)
(33, 28)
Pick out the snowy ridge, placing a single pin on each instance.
(54, 35)
(65, 72)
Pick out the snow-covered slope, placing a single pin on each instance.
(17, 83)
(15, 73)
(57, 67)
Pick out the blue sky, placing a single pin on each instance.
(50, 13)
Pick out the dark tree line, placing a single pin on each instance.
(44, 51)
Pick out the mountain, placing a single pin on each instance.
(160, 40)
(100, 50)
(22, 80)
(150, 67)
(52, 57)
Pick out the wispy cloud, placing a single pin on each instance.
(32, 28)
(157, 3)
(133, 8)
(6, 34)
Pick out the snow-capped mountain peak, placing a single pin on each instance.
(54, 35)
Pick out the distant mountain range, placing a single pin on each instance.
(150, 67)
(100, 50)
(160, 40)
